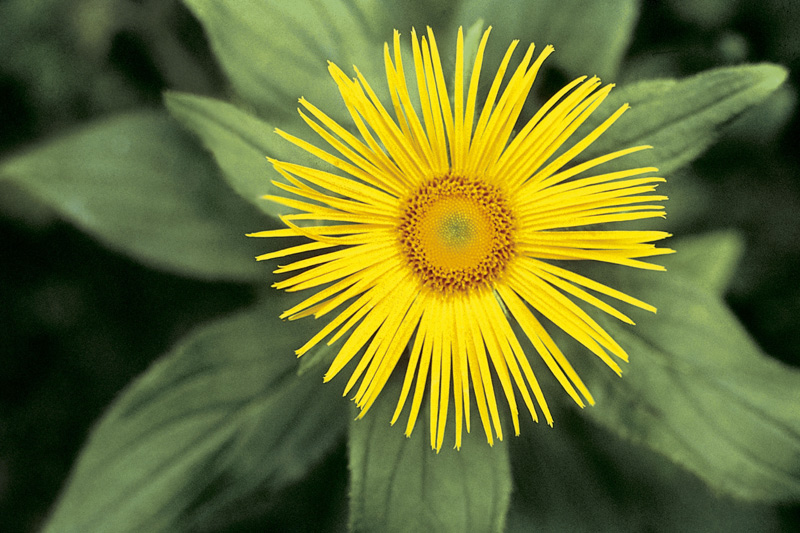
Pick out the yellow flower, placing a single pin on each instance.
(441, 229)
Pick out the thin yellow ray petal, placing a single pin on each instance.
(481, 348)
(379, 178)
(340, 185)
(547, 349)
(442, 92)
(343, 263)
(363, 163)
(311, 305)
(350, 311)
(459, 364)
(365, 157)
(504, 328)
(444, 395)
(394, 349)
(619, 257)
(519, 310)
(507, 113)
(329, 217)
(492, 140)
(350, 253)
(394, 307)
(458, 146)
(399, 83)
(557, 183)
(585, 296)
(597, 240)
(613, 210)
(472, 95)
(391, 81)
(343, 290)
(446, 362)
(489, 103)
(584, 143)
(567, 316)
(475, 356)
(559, 134)
(593, 285)
(437, 136)
(507, 341)
(375, 292)
(414, 356)
(283, 232)
(424, 97)
(359, 105)
(521, 146)
(502, 359)
(436, 373)
(474, 149)
(373, 316)
(382, 213)
(367, 278)
(292, 250)
(591, 194)
(549, 134)
(422, 371)
(340, 229)
(397, 144)
(549, 192)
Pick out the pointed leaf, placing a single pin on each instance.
(680, 119)
(578, 477)
(221, 415)
(140, 185)
(710, 259)
(589, 37)
(699, 390)
(240, 143)
(400, 484)
(275, 52)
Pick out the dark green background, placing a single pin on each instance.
(79, 322)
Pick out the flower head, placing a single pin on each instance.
(441, 227)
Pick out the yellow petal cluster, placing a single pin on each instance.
(441, 221)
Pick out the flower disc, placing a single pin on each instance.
(456, 233)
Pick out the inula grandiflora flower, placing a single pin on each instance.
(439, 220)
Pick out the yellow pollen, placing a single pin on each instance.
(456, 233)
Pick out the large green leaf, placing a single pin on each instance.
(577, 477)
(400, 484)
(589, 37)
(680, 119)
(240, 144)
(140, 185)
(275, 52)
(220, 416)
(700, 391)
(710, 259)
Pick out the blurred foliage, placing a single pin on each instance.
(81, 322)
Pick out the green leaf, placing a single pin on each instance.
(680, 119)
(275, 52)
(710, 259)
(141, 186)
(700, 391)
(400, 484)
(578, 477)
(589, 37)
(221, 415)
(240, 143)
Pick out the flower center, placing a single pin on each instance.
(456, 233)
